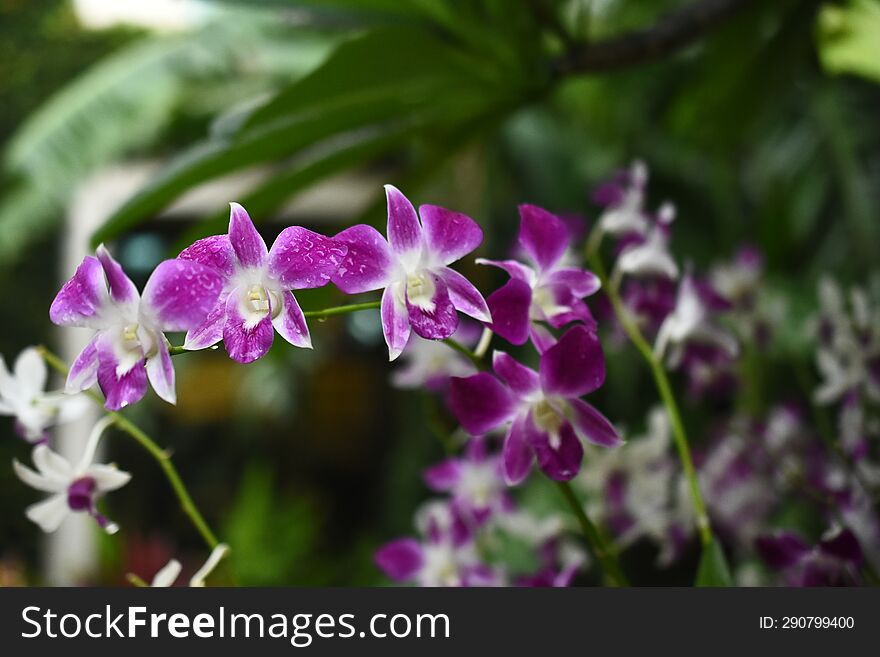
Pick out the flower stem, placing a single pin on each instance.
(666, 395)
(598, 543)
(343, 310)
(159, 454)
(460, 348)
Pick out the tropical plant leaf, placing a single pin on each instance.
(849, 38)
(713, 569)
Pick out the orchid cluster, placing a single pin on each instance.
(520, 375)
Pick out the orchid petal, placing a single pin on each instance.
(160, 372)
(449, 235)
(509, 306)
(582, 283)
(210, 331)
(35, 479)
(401, 559)
(522, 380)
(215, 251)
(122, 290)
(50, 513)
(575, 365)
(81, 300)
(246, 339)
(444, 476)
(561, 461)
(301, 258)
(514, 268)
(480, 402)
(465, 297)
(439, 320)
(542, 235)
(120, 389)
(517, 454)
(180, 294)
(592, 426)
(291, 323)
(248, 244)
(84, 371)
(395, 323)
(404, 231)
(107, 477)
(31, 371)
(367, 265)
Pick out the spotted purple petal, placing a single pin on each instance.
(291, 323)
(180, 294)
(367, 265)
(301, 258)
(542, 235)
(404, 231)
(249, 247)
(210, 331)
(449, 235)
(81, 299)
(120, 389)
(246, 341)
(437, 322)
(575, 365)
(215, 251)
(480, 402)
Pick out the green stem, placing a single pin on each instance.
(666, 395)
(343, 310)
(160, 455)
(597, 542)
(460, 348)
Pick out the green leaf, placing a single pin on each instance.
(713, 569)
(849, 38)
(349, 91)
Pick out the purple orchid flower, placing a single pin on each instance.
(447, 555)
(547, 291)
(129, 346)
(547, 417)
(257, 300)
(835, 561)
(421, 292)
(474, 481)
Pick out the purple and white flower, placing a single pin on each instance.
(693, 321)
(22, 396)
(848, 333)
(257, 282)
(421, 292)
(446, 556)
(129, 346)
(834, 561)
(547, 418)
(646, 253)
(475, 482)
(74, 488)
(623, 198)
(546, 290)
